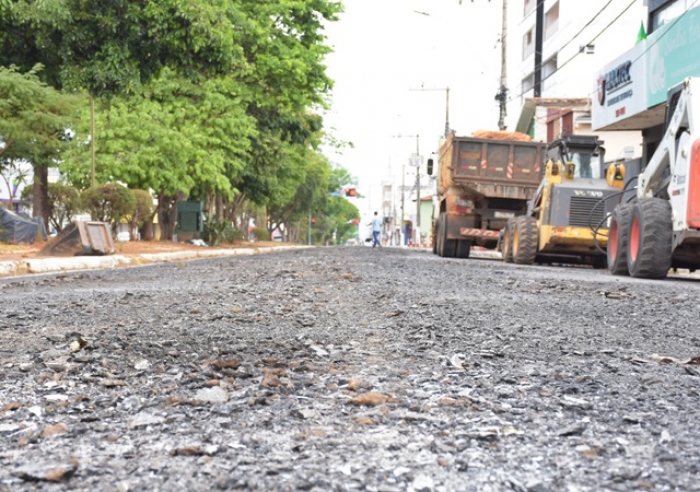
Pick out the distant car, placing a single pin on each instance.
(123, 236)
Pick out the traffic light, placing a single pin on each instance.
(350, 192)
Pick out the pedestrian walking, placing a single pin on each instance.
(376, 230)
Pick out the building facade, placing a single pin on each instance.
(633, 87)
(554, 92)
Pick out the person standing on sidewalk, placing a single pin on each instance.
(376, 230)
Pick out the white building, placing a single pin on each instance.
(577, 39)
(634, 85)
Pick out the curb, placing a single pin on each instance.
(52, 265)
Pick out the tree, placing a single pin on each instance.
(114, 47)
(33, 120)
(109, 203)
(14, 173)
(64, 203)
(264, 58)
(142, 215)
(173, 138)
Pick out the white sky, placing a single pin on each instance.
(382, 50)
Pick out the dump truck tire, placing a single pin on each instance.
(525, 240)
(464, 247)
(439, 248)
(649, 252)
(448, 247)
(618, 239)
(507, 249)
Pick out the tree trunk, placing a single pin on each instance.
(146, 230)
(219, 206)
(167, 215)
(40, 194)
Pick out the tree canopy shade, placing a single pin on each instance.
(211, 99)
(33, 121)
(115, 46)
(33, 116)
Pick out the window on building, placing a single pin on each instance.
(529, 43)
(527, 85)
(668, 12)
(551, 21)
(550, 66)
(529, 6)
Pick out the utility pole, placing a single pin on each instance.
(502, 94)
(418, 163)
(539, 40)
(308, 234)
(447, 104)
(403, 186)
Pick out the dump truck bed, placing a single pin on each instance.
(491, 168)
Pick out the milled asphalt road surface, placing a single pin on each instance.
(348, 368)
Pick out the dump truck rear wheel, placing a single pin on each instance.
(525, 240)
(507, 249)
(463, 249)
(650, 239)
(447, 247)
(618, 239)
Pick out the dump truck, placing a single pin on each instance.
(482, 181)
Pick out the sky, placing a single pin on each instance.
(384, 53)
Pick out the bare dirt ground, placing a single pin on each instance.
(9, 252)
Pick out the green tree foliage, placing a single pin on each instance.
(109, 203)
(196, 99)
(33, 119)
(174, 137)
(339, 214)
(112, 47)
(64, 202)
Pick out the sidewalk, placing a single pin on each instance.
(33, 265)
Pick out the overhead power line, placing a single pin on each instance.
(631, 4)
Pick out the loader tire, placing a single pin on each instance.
(599, 262)
(463, 249)
(649, 251)
(507, 248)
(618, 239)
(525, 240)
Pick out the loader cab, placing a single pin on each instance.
(579, 156)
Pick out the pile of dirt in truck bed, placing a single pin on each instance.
(520, 137)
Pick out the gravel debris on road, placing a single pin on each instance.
(348, 368)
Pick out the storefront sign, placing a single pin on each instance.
(620, 88)
(673, 53)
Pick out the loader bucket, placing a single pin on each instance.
(81, 238)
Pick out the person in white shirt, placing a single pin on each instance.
(376, 230)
